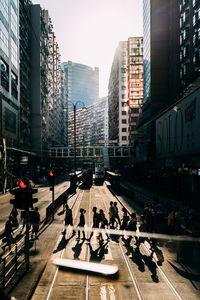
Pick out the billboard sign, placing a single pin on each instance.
(178, 130)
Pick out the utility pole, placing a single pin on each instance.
(52, 183)
(74, 106)
(27, 256)
(4, 161)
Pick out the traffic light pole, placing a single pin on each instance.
(27, 257)
(53, 202)
(4, 166)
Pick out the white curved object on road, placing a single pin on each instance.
(86, 266)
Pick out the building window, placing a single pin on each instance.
(134, 110)
(123, 129)
(123, 121)
(4, 38)
(14, 82)
(185, 33)
(186, 16)
(135, 76)
(123, 138)
(133, 128)
(4, 75)
(123, 113)
(134, 119)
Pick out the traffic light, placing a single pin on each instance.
(51, 179)
(23, 195)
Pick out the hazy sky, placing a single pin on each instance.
(88, 31)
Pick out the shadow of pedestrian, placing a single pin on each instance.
(185, 274)
(136, 255)
(63, 242)
(148, 260)
(127, 244)
(115, 237)
(77, 249)
(137, 259)
(99, 253)
(159, 254)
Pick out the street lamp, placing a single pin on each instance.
(74, 105)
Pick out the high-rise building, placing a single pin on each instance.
(45, 82)
(10, 74)
(91, 124)
(161, 54)
(82, 83)
(135, 84)
(169, 141)
(161, 65)
(189, 41)
(54, 77)
(125, 91)
(25, 74)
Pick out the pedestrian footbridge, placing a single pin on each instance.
(92, 152)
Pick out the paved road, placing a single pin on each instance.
(143, 273)
(44, 196)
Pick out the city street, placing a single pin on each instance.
(99, 150)
(144, 272)
(44, 195)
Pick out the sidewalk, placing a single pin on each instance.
(190, 252)
(58, 191)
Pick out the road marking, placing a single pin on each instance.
(137, 288)
(111, 291)
(146, 246)
(103, 292)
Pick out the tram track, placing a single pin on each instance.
(88, 285)
(146, 248)
(62, 253)
(132, 276)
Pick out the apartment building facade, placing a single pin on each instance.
(91, 124)
(189, 42)
(125, 91)
(45, 83)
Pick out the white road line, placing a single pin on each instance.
(111, 291)
(54, 278)
(56, 272)
(137, 288)
(103, 293)
(163, 275)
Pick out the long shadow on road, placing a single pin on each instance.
(63, 242)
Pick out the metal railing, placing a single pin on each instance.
(11, 262)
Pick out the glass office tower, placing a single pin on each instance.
(9, 71)
(147, 49)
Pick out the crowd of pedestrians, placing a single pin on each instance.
(101, 221)
(12, 223)
(155, 218)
